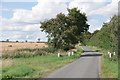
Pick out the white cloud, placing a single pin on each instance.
(43, 10)
(94, 25)
(29, 19)
(108, 10)
(25, 23)
(91, 1)
(96, 7)
(10, 25)
(21, 15)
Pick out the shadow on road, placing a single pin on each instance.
(87, 55)
(90, 51)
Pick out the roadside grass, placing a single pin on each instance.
(109, 68)
(36, 66)
(17, 70)
(119, 68)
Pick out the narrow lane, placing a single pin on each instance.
(87, 66)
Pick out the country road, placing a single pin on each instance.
(87, 66)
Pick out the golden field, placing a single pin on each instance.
(11, 46)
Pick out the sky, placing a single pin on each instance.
(20, 19)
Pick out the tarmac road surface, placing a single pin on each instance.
(87, 66)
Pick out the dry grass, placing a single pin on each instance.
(7, 63)
(11, 46)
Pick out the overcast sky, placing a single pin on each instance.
(21, 18)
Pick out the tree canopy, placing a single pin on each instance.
(64, 31)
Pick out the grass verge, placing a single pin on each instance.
(35, 67)
(109, 68)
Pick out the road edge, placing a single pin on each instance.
(100, 58)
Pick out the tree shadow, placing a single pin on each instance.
(89, 54)
(90, 51)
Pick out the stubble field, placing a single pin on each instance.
(11, 46)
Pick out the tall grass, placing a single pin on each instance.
(27, 52)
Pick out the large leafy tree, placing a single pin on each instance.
(64, 31)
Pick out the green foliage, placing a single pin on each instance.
(96, 31)
(85, 37)
(65, 31)
(107, 37)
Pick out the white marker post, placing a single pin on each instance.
(68, 53)
(114, 53)
(58, 54)
(110, 55)
(72, 53)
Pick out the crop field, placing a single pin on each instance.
(11, 46)
(18, 59)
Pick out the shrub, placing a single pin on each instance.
(40, 52)
(49, 50)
